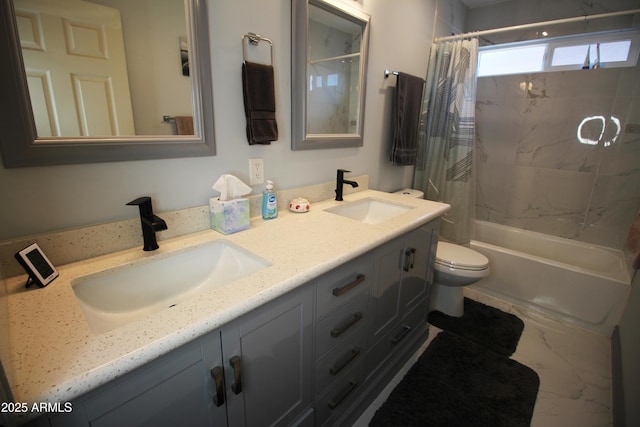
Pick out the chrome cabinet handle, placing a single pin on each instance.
(346, 288)
(236, 364)
(346, 360)
(218, 376)
(336, 332)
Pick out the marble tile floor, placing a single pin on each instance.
(574, 366)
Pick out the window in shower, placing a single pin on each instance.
(511, 60)
(584, 51)
(593, 51)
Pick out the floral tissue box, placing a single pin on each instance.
(229, 216)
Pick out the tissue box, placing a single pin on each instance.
(229, 216)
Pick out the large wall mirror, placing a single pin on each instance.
(104, 80)
(329, 61)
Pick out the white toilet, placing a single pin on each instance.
(455, 267)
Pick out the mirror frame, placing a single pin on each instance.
(20, 146)
(301, 140)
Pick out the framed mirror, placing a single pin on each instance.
(329, 62)
(100, 115)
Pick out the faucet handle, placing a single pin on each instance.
(144, 203)
(340, 175)
(140, 200)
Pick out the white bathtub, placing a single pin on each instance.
(572, 281)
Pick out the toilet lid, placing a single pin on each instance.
(457, 256)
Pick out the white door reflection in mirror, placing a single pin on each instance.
(76, 69)
(152, 31)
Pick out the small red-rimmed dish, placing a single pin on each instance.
(299, 205)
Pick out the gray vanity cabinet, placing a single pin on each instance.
(172, 390)
(342, 319)
(399, 304)
(316, 356)
(268, 362)
(255, 371)
(393, 325)
(417, 269)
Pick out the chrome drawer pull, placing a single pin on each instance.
(345, 361)
(346, 288)
(336, 332)
(336, 401)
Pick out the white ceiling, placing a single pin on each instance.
(479, 3)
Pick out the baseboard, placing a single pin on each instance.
(617, 385)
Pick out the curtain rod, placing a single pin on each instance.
(536, 24)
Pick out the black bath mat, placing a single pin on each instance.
(457, 382)
(483, 324)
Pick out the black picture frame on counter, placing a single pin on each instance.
(40, 270)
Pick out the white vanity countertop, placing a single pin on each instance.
(56, 357)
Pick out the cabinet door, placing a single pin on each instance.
(268, 362)
(403, 274)
(416, 266)
(213, 364)
(168, 392)
(386, 286)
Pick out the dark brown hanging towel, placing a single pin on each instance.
(406, 117)
(259, 103)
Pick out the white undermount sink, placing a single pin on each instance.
(115, 297)
(370, 210)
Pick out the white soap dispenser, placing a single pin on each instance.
(269, 202)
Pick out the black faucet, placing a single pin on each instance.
(150, 222)
(340, 181)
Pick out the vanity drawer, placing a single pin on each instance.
(396, 337)
(340, 361)
(340, 397)
(341, 324)
(343, 284)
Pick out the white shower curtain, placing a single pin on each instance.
(444, 166)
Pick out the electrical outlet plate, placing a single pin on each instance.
(256, 171)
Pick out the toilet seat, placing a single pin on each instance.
(456, 257)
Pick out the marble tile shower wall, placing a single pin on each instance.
(532, 170)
